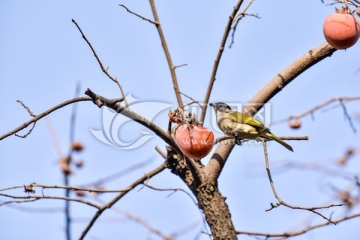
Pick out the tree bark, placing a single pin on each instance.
(216, 211)
(205, 189)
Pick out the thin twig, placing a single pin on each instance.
(218, 58)
(48, 210)
(300, 232)
(192, 99)
(27, 108)
(41, 115)
(311, 111)
(138, 220)
(37, 197)
(138, 15)
(281, 202)
(237, 20)
(31, 114)
(105, 70)
(118, 174)
(118, 197)
(167, 53)
(180, 65)
(73, 188)
(174, 190)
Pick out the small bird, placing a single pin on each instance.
(242, 126)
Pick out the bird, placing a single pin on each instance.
(242, 126)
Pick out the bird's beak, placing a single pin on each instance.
(212, 105)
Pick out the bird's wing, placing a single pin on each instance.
(245, 119)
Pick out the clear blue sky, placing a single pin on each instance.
(43, 57)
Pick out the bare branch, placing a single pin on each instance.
(163, 154)
(288, 74)
(342, 101)
(192, 99)
(237, 19)
(39, 116)
(167, 53)
(105, 70)
(37, 197)
(281, 202)
(180, 65)
(218, 58)
(50, 210)
(118, 197)
(27, 108)
(138, 15)
(300, 232)
(32, 115)
(138, 220)
(173, 190)
(101, 101)
(44, 186)
(117, 175)
(274, 86)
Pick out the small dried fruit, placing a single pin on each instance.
(294, 124)
(79, 164)
(77, 146)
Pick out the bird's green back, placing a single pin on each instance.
(245, 119)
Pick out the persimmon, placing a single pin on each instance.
(194, 141)
(341, 29)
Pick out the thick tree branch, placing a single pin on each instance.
(39, 116)
(288, 74)
(274, 86)
(101, 101)
(218, 58)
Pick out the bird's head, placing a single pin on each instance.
(220, 106)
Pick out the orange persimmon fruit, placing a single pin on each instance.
(341, 29)
(194, 141)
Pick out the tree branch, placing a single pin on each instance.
(138, 15)
(114, 79)
(297, 233)
(218, 58)
(118, 197)
(37, 197)
(274, 86)
(101, 101)
(39, 116)
(281, 202)
(288, 74)
(167, 53)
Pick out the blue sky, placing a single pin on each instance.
(43, 57)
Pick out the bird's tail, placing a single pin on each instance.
(277, 139)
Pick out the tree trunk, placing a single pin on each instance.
(216, 212)
(209, 198)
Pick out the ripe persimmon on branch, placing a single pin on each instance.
(188, 140)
